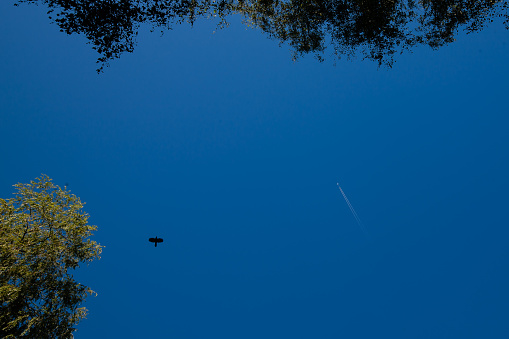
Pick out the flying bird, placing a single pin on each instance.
(155, 240)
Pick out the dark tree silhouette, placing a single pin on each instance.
(374, 29)
(155, 240)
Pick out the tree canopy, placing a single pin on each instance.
(44, 235)
(375, 29)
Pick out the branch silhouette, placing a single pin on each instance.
(373, 29)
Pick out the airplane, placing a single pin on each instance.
(155, 240)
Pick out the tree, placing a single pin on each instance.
(44, 235)
(375, 29)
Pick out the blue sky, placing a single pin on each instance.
(231, 152)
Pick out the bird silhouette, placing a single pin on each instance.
(155, 240)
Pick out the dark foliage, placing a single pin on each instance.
(377, 29)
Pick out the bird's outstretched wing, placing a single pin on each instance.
(155, 240)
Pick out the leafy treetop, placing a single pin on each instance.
(44, 234)
(376, 29)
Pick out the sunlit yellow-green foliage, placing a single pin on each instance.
(44, 235)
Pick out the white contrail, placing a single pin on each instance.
(354, 213)
(357, 219)
(359, 222)
(348, 202)
(351, 208)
